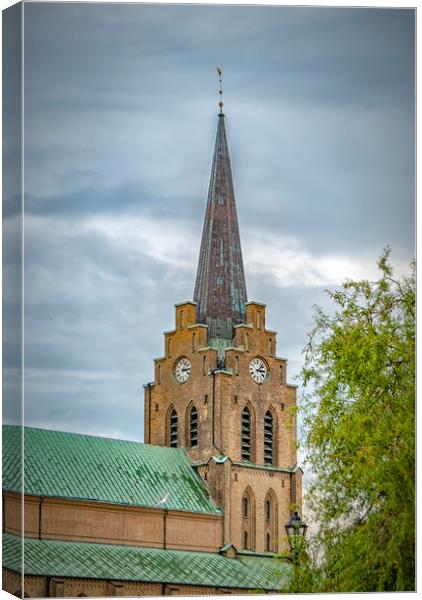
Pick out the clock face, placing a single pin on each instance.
(258, 370)
(182, 370)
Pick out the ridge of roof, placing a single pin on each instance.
(90, 435)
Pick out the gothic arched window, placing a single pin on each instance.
(248, 519)
(270, 524)
(246, 434)
(245, 507)
(193, 427)
(268, 438)
(172, 428)
(268, 510)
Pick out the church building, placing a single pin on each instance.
(200, 506)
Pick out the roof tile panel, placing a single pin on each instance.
(69, 465)
(106, 561)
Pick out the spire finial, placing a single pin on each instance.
(220, 74)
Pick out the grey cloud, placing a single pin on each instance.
(120, 119)
(153, 55)
(93, 323)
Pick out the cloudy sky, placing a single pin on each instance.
(120, 120)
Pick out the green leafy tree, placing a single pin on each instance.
(359, 415)
(306, 575)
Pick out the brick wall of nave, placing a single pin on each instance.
(73, 520)
(66, 587)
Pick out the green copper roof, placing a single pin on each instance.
(106, 561)
(69, 465)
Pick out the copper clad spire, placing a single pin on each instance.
(220, 289)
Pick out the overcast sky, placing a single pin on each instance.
(120, 121)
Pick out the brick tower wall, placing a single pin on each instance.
(219, 396)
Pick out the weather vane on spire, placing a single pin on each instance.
(221, 103)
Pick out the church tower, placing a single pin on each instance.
(220, 390)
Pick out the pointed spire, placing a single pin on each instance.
(220, 289)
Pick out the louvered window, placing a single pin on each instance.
(246, 434)
(268, 438)
(173, 429)
(193, 427)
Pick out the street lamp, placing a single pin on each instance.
(296, 531)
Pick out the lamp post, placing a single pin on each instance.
(296, 531)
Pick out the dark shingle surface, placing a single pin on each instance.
(106, 561)
(69, 465)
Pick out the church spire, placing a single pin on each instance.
(220, 289)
